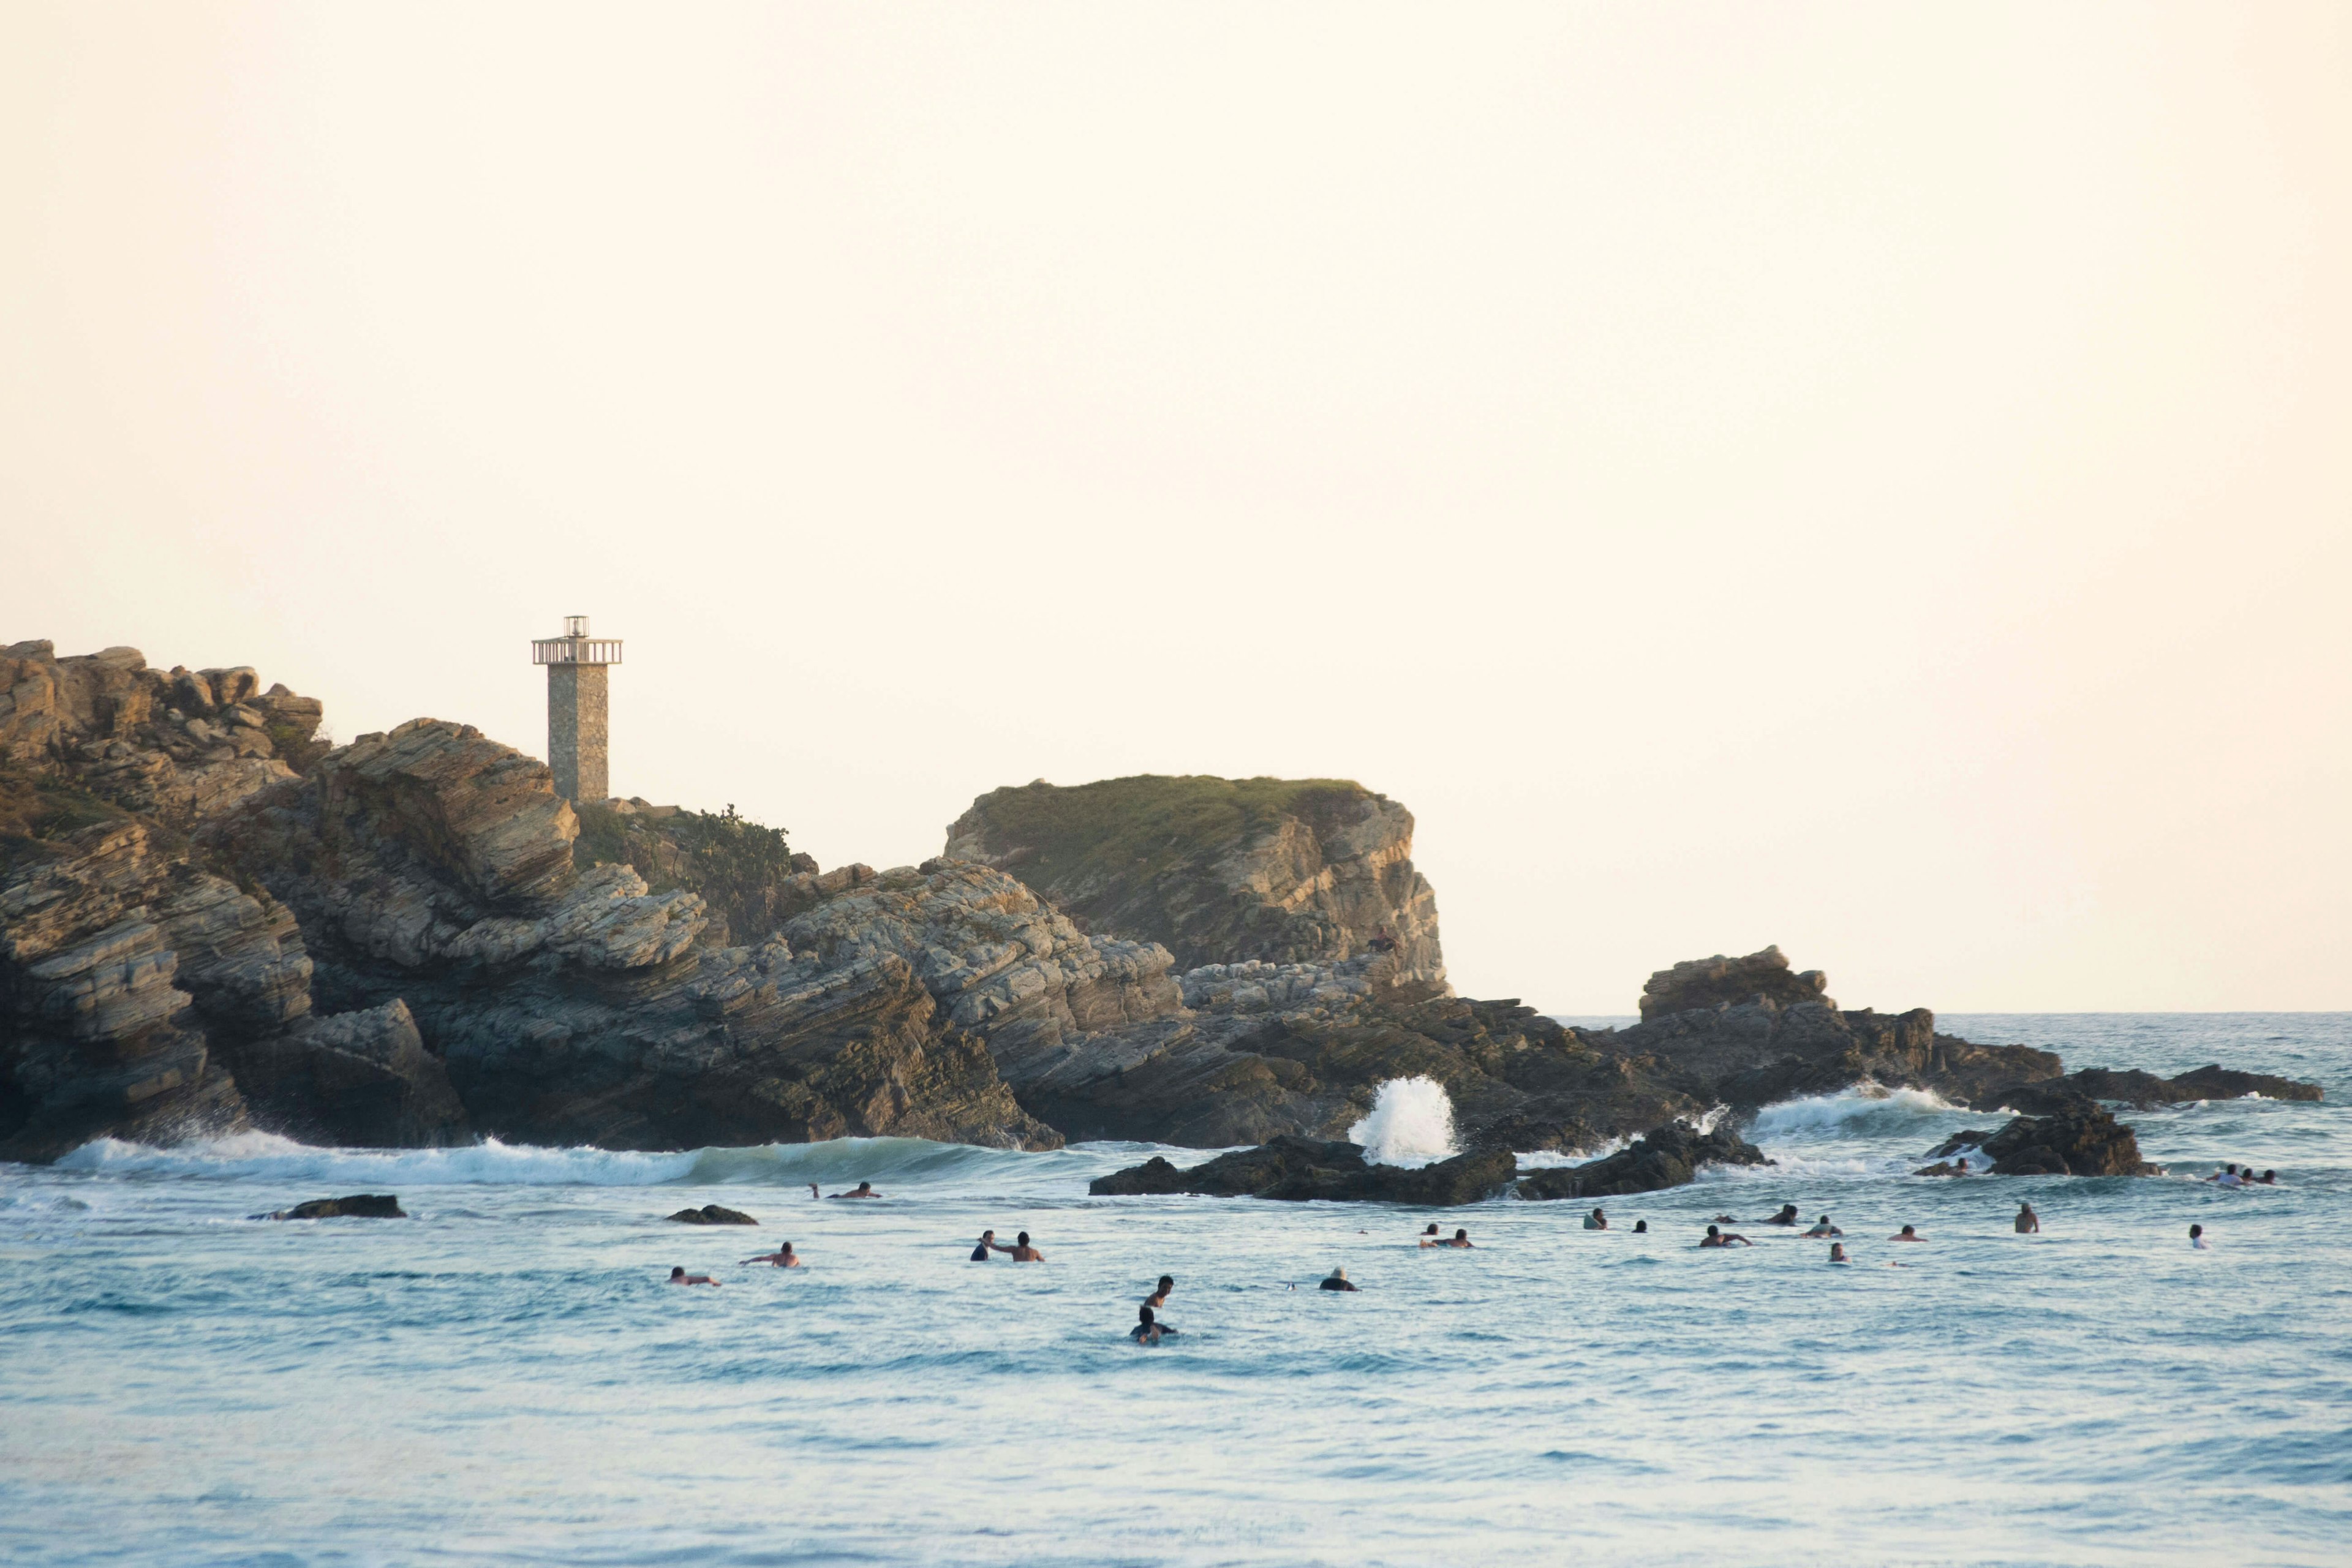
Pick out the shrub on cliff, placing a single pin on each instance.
(737, 865)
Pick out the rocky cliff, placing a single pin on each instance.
(208, 921)
(1312, 871)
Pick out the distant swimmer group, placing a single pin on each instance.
(2236, 1176)
(1459, 1239)
(1019, 1251)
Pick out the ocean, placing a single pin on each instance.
(505, 1377)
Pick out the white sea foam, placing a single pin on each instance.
(1412, 1123)
(493, 1164)
(1865, 1110)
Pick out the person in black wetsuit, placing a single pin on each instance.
(1146, 1332)
(1788, 1215)
(987, 1242)
(1336, 1280)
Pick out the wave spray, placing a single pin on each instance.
(1412, 1123)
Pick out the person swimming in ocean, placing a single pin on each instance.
(1021, 1251)
(1788, 1215)
(1715, 1238)
(1158, 1300)
(2197, 1239)
(1432, 1229)
(2270, 1179)
(1146, 1332)
(1907, 1234)
(680, 1277)
(987, 1245)
(1822, 1229)
(1641, 1228)
(1725, 1219)
(2028, 1222)
(1459, 1239)
(1336, 1280)
(783, 1257)
(862, 1190)
(1596, 1220)
(813, 1192)
(1837, 1253)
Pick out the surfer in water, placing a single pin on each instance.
(1641, 1228)
(988, 1243)
(680, 1277)
(813, 1192)
(1715, 1238)
(1158, 1300)
(2028, 1222)
(1336, 1280)
(2197, 1239)
(1907, 1234)
(1788, 1215)
(783, 1257)
(862, 1190)
(1596, 1220)
(1021, 1251)
(1146, 1332)
(1837, 1253)
(1432, 1230)
(1459, 1239)
(1824, 1228)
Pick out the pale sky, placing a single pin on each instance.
(1876, 478)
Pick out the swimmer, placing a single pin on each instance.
(1459, 1239)
(1907, 1234)
(863, 1190)
(1596, 1220)
(1824, 1228)
(1158, 1300)
(1788, 1215)
(1336, 1280)
(783, 1257)
(2197, 1239)
(1021, 1251)
(1724, 1238)
(2028, 1222)
(1725, 1219)
(1641, 1228)
(813, 1192)
(2270, 1178)
(1837, 1253)
(1146, 1332)
(987, 1245)
(1431, 1231)
(2227, 1177)
(680, 1277)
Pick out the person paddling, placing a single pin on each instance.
(862, 1190)
(1336, 1280)
(680, 1277)
(1715, 1238)
(783, 1257)
(1459, 1239)
(1822, 1229)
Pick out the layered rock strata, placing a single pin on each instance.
(1297, 1169)
(1285, 871)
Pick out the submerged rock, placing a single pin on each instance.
(2143, 1090)
(359, 1205)
(1297, 1169)
(1667, 1156)
(712, 1214)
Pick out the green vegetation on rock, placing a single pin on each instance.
(738, 866)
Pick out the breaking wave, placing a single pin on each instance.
(1865, 1111)
(1412, 1123)
(493, 1164)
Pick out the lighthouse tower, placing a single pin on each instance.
(577, 729)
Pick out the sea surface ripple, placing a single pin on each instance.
(505, 1378)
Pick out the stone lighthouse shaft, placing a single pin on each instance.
(578, 730)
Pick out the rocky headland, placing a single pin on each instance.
(210, 920)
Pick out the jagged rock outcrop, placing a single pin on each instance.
(2080, 1139)
(1219, 871)
(2144, 1090)
(1295, 1168)
(1753, 1033)
(1667, 1156)
(358, 1205)
(361, 1080)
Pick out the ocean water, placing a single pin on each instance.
(505, 1377)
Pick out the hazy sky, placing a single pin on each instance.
(1871, 477)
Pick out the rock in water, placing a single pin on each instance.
(711, 1214)
(1221, 871)
(359, 1205)
(1667, 1156)
(1297, 1169)
(2076, 1140)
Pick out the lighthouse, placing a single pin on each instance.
(578, 733)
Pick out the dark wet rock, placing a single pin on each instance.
(1667, 1156)
(359, 1205)
(1958, 1142)
(2144, 1090)
(1296, 1169)
(1720, 982)
(2083, 1140)
(713, 1214)
(361, 1079)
